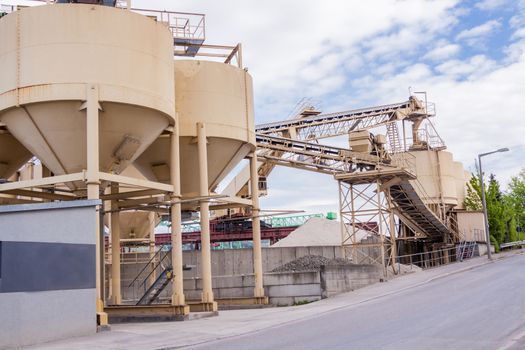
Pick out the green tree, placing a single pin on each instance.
(496, 211)
(500, 209)
(473, 197)
(517, 197)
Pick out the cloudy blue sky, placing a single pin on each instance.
(468, 55)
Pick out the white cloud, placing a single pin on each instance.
(518, 20)
(520, 33)
(352, 54)
(475, 66)
(491, 4)
(476, 34)
(442, 51)
(284, 44)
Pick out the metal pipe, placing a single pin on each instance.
(256, 228)
(207, 292)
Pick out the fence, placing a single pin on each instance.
(434, 258)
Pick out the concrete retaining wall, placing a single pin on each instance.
(228, 262)
(240, 261)
(339, 279)
(283, 288)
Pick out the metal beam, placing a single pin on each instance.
(135, 182)
(53, 180)
(40, 194)
(131, 194)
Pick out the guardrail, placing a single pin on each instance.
(512, 244)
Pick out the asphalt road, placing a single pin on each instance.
(479, 309)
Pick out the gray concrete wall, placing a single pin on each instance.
(345, 278)
(288, 288)
(228, 262)
(47, 272)
(233, 276)
(283, 288)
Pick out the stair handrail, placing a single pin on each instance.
(155, 267)
(147, 292)
(149, 262)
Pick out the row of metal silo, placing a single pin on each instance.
(63, 63)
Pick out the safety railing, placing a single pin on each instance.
(153, 267)
(186, 26)
(183, 25)
(438, 257)
(156, 257)
(404, 160)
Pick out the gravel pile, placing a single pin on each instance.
(309, 263)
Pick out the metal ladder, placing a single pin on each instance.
(394, 140)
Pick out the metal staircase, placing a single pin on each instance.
(157, 262)
(153, 292)
(150, 292)
(412, 207)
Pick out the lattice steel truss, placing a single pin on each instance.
(367, 206)
(341, 123)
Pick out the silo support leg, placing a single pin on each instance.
(208, 301)
(116, 297)
(256, 229)
(178, 299)
(93, 191)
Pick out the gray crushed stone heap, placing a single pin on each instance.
(309, 263)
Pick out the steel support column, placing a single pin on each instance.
(256, 228)
(93, 190)
(177, 298)
(116, 296)
(207, 292)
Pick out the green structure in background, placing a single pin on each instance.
(296, 220)
(272, 221)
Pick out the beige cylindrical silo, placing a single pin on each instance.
(221, 97)
(461, 184)
(435, 173)
(50, 55)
